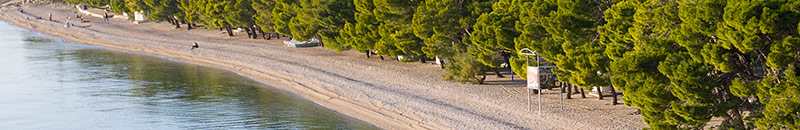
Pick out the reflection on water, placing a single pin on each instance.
(48, 84)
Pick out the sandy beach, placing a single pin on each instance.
(386, 93)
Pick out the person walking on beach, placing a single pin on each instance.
(51, 17)
(67, 22)
(194, 45)
(105, 16)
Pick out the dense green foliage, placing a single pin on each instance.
(443, 25)
(92, 3)
(191, 11)
(684, 62)
(263, 10)
(466, 69)
(681, 62)
(495, 32)
(162, 9)
(324, 19)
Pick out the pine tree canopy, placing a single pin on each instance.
(680, 62)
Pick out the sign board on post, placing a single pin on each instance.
(533, 77)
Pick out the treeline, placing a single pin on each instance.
(680, 62)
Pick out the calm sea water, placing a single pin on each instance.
(49, 84)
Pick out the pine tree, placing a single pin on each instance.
(160, 10)
(362, 34)
(565, 33)
(213, 14)
(303, 25)
(282, 14)
(240, 14)
(442, 25)
(323, 19)
(495, 32)
(534, 36)
(757, 42)
(191, 11)
(332, 18)
(682, 63)
(136, 5)
(437, 24)
(397, 37)
(117, 6)
(263, 10)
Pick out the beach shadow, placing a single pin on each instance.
(508, 79)
(81, 26)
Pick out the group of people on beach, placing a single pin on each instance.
(67, 24)
(105, 18)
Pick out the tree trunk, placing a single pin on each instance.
(249, 34)
(381, 57)
(169, 19)
(321, 44)
(569, 91)
(188, 25)
(441, 63)
(262, 33)
(599, 93)
(737, 122)
(230, 32)
(422, 59)
(497, 72)
(583, 95)
(255, 33)
(614, 94)
(270, 36)
(177, 23)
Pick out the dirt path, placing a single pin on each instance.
(386, 93)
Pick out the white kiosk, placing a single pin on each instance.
(533, 77)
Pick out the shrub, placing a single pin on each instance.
(465, 68)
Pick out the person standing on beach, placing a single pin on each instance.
(194, 45)
(105, 16)
(51, 17)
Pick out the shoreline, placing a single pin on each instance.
(386, 94)
(308, 94)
